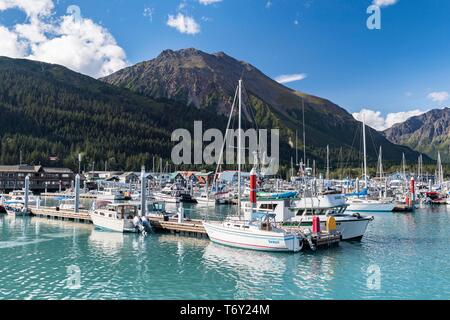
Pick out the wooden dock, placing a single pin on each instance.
(66, 195)
(52, 213)
(188, 228)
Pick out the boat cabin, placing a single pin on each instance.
(119, 211)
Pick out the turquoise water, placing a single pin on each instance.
(411, 252)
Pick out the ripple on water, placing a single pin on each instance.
(411, 251)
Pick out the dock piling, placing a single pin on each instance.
(77, 193)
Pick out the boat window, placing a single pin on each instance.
(269, 206)
(102, 214)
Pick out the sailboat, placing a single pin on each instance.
(260, 232)
(364, 204)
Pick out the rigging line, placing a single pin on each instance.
(373, 142)
(226, 131)
(351, 149)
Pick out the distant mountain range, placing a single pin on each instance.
(426, 133)
(50, 112)
(208, 82)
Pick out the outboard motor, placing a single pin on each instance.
(146, 224)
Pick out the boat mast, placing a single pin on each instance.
(304, 131)
(239, 148)
(365, 152)
(328, 163)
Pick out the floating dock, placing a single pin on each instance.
(403, 208)
(187, 227)
(191, 228)
(68, 195)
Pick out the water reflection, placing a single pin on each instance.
(253, 272)
(109, 243)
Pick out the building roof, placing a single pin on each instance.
(33, 169)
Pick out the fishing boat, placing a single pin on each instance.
(300, 212)
(19, 195)
(111, 194)
(119, 218)
(174, 194)
(16, 208)
(261, 231)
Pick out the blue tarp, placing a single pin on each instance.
(362, 193)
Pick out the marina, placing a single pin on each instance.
(411, 251)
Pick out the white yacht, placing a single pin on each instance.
(119, 218)
(205, 199)
(19, 195)
(300, 211)
(261, 233)
(111, 194)
(369, 205)
(16, 208)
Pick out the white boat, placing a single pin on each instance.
(368, 205)
(119, 218)
(258, 234)
(292, 212)
(69, 205)
(111, 194)
(19, 195)
(16, 208)
(205, 199)
(261, 231)
(174, 194)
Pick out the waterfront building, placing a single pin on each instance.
(12, 177)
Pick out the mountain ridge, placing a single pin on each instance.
(208, 81)
(427, 133)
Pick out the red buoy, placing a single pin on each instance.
(253, 188)
(315, 224)
(412, 190)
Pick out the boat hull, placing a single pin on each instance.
(350, 228)
(110, 224)
(261, 241)
(371, 207)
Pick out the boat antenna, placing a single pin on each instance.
(239, 147)
(304, 131)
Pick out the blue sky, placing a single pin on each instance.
(403, 66)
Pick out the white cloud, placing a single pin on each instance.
(33, 9)
(268, 4)
(70, 40)
(10, 45)
(375, 120)
(440, 96)
(208, 2)
(286, 78)
(183, 24)
(384, 3)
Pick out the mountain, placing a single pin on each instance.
(50, 111)
(426, 133)
(208, 82)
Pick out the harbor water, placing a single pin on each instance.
(402, 256)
